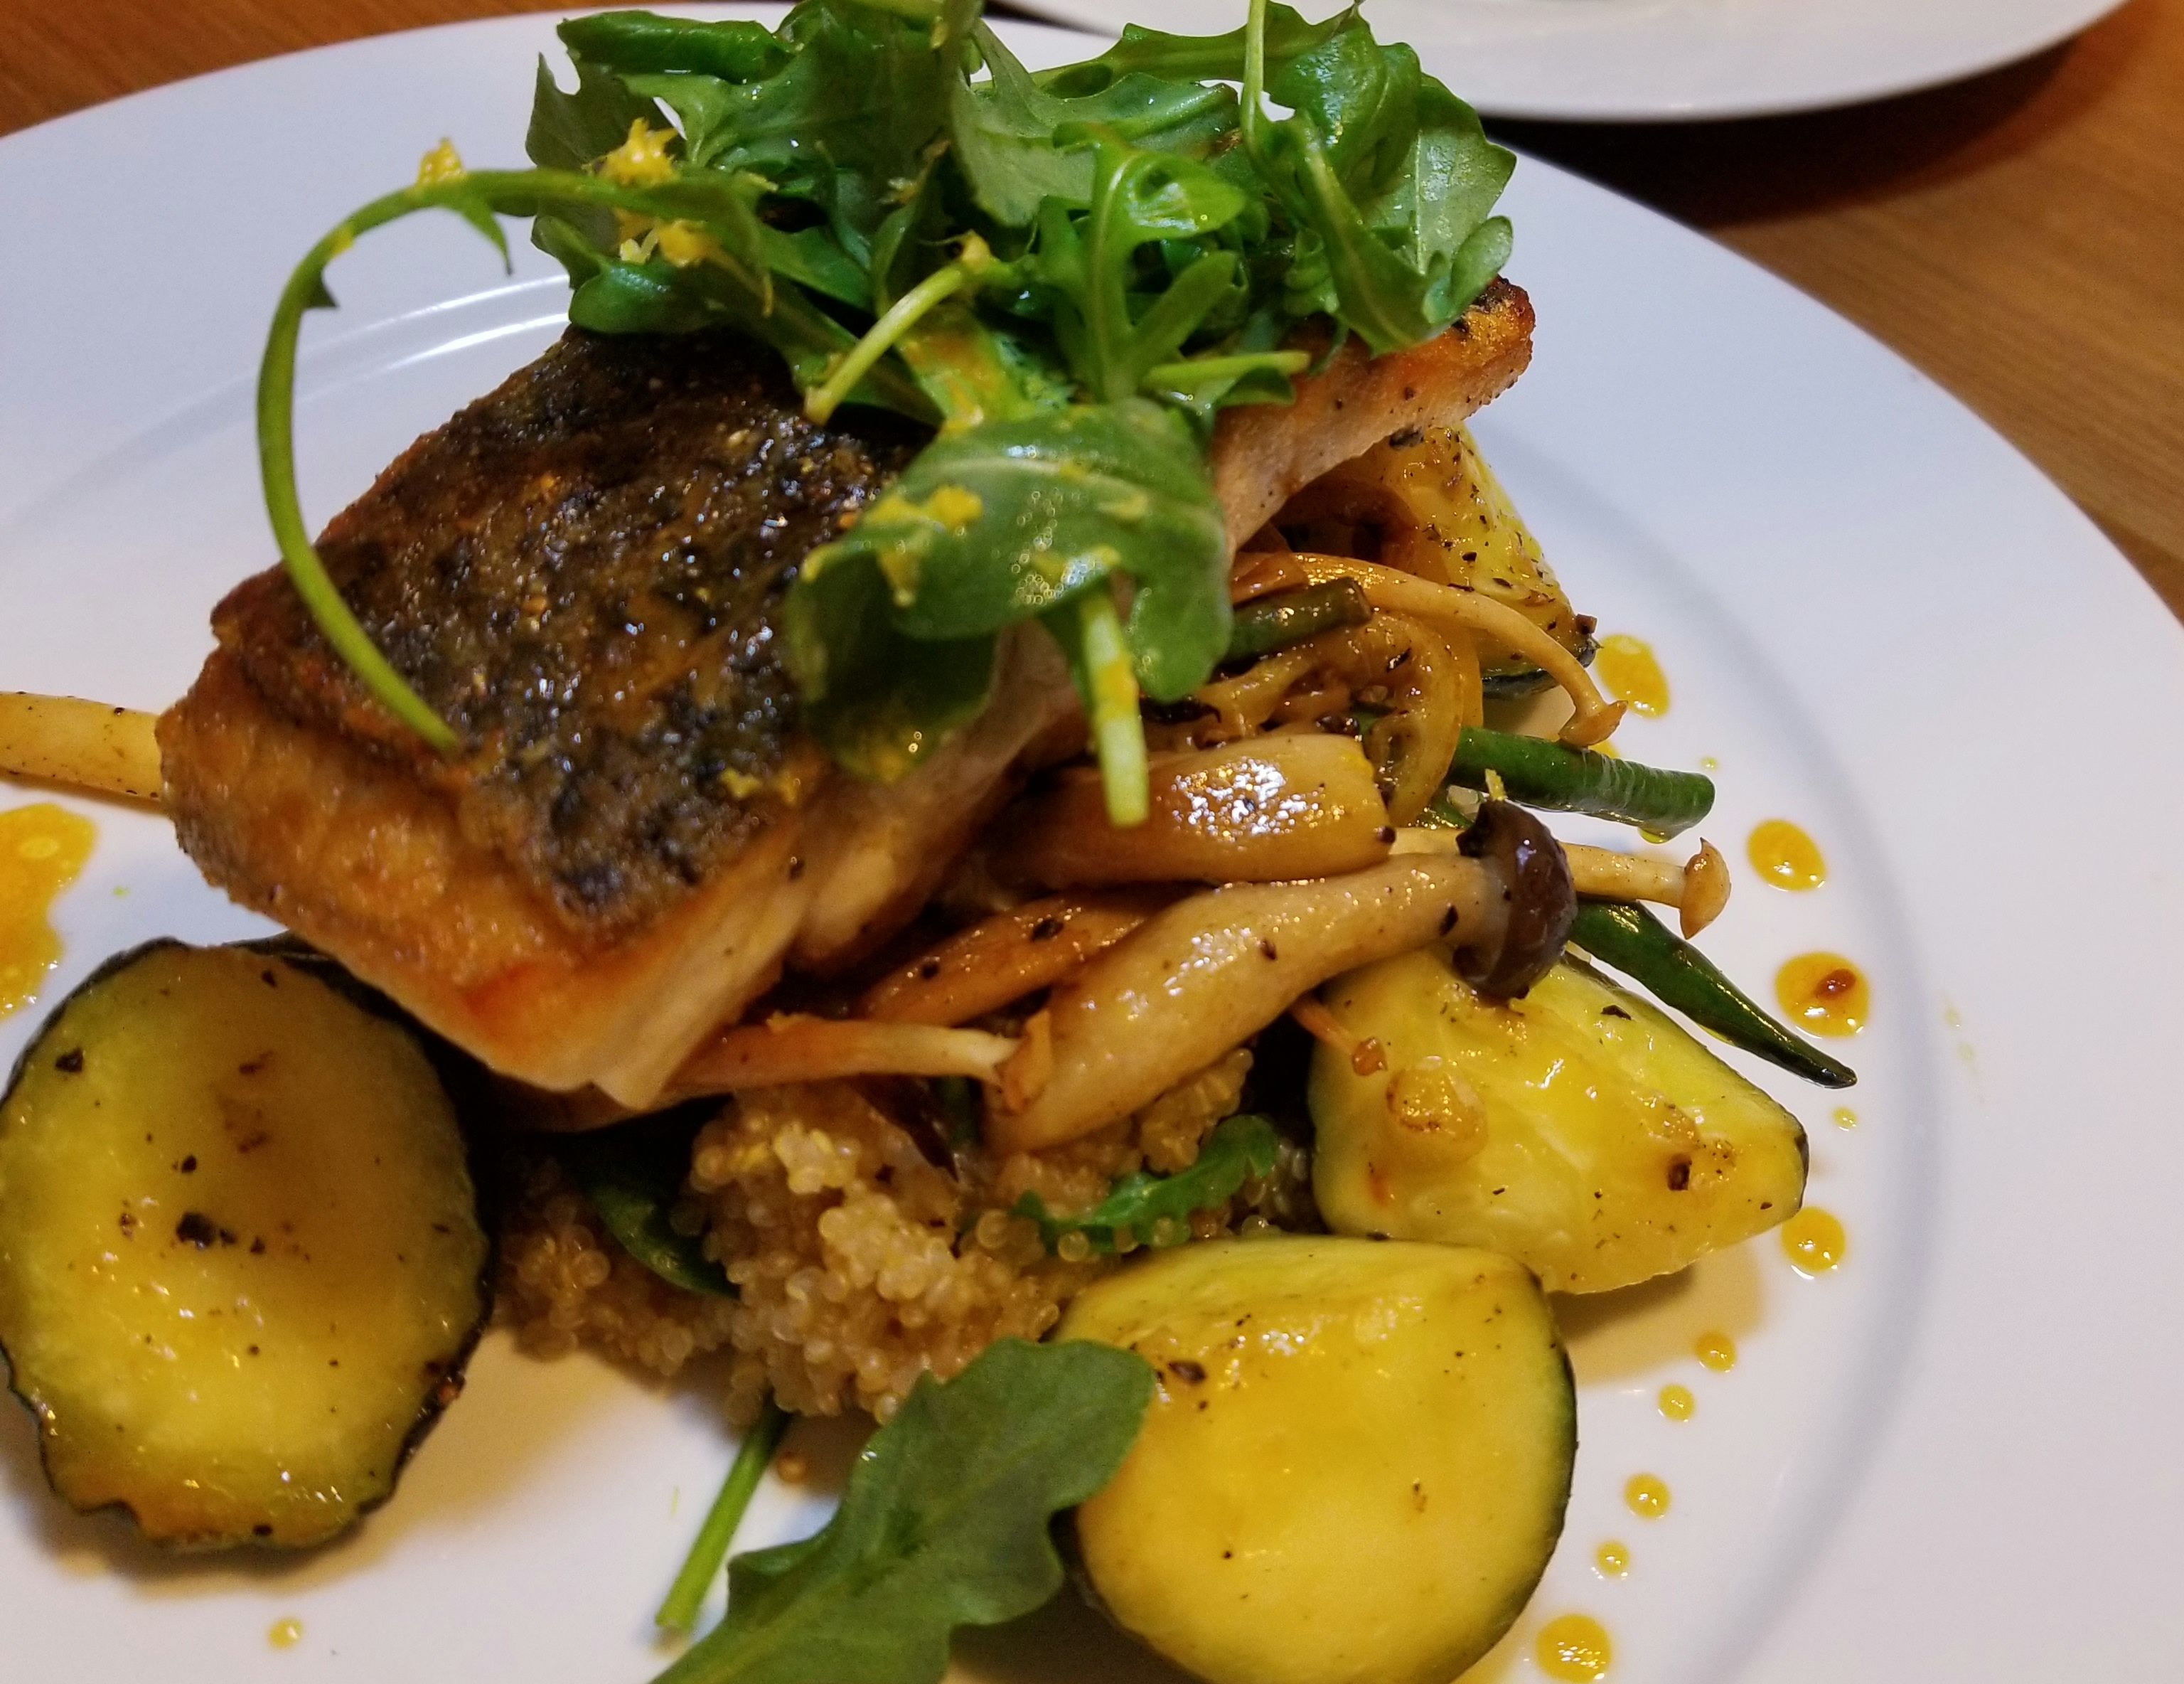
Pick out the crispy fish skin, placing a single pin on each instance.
(350, 850)
(581, 573)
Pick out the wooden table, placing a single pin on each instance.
(2020, 236)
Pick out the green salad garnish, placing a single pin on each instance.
(943, 1523)
(1067, 273)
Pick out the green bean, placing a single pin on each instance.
(1536, 772)
(1628, 938)
(1271, 622)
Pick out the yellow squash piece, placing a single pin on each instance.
(1426, 501)
(1578, 1130)
(241, 1265)
(1354, 1470)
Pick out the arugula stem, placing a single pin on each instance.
(820, 402)
(475, 196)
(1252, 114)
(917, 11)
(276, 463)
(679, 1612)
(1205, 371)
(1110, 682)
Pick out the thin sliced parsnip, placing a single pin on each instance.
(87, 745)
(1387, 588)
(791, 1047)
(1006, 957)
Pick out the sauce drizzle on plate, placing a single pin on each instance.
(42, 848)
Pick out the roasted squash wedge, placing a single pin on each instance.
(240, 1261)
(1578, 1130)
(1355, 1468)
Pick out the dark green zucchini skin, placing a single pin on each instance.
(466, 1084)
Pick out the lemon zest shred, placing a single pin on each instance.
(684, 244)
(641, 160)
(441, 165)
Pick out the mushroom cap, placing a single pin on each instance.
(1542, 903)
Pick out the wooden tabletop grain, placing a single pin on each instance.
(2019, 236)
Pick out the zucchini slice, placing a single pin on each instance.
(1579, 1129)
(241, 1261)
(1355, 1466)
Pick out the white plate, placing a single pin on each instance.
(1666, 60)
(1954, 1458)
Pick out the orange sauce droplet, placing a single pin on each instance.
(1677, 1403)
(286, 1634)
(43, 847)
(1825, 993)
(1846, 1118)
(1627, 667)
(1814, 1241)
(1648, 1497)
(1717, 1351)
(1612, 1561)
(1786, 856)
(1574, 1647)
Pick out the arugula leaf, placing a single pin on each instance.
(1088, 262)
(944, 1523)
(1372, 251)
(998, 523)
(1007, 131)
(1239, 1148)
(632, 1174)
(1194, 58)
(879, 702)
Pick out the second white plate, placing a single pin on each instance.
(1665, 60)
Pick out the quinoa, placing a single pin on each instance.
(863, 1253)
(564, 1281)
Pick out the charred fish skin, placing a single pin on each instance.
(582, 573)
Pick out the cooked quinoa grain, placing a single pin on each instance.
(842, 1240)
(564, 1282)
(861, 1262)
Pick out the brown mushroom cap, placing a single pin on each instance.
(1542, 903)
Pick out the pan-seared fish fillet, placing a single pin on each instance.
(1263, 455)
(581, 573)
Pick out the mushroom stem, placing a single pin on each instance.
(1698, 890)
(1595, 718)
(1211, 971)
(88, 745)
